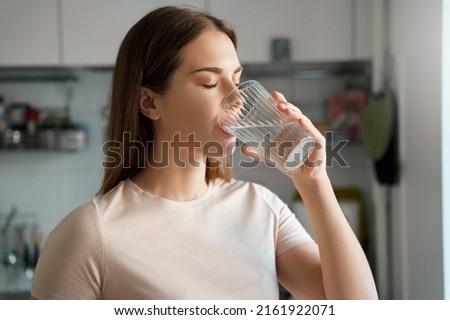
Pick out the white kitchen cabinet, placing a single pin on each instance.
(28, 33)
(320, 30)
(362, 29)
(88, 33)
(93, 30)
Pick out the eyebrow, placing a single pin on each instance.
(216, 70)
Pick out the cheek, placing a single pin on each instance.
(197, 105)
(192, 111)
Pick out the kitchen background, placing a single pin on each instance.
(324, 55)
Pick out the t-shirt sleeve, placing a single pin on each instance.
(290, 232)
(70, 265)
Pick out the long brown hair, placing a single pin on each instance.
(148, 56)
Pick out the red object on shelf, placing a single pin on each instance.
(31, 114)
(345, 112)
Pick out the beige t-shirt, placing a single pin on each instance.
(129, 244)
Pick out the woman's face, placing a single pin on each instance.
(190, 108)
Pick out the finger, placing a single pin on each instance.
(281, 101)
(292, 113)
(278, 97)
(308, 126)
(285, 106)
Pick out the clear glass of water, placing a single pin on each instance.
(250, 113)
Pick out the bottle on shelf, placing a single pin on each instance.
(31, 120)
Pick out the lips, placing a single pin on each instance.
(226, 132)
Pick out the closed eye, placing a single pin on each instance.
(211, 86)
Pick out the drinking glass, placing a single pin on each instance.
(250, 113)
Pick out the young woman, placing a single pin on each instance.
(169, 222)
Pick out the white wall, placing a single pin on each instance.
(415, 41)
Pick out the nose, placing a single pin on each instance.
(230, 85)
(232, 105)
(233, 98)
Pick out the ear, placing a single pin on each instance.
(147, 105)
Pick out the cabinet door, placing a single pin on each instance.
(362, 28)
(93, 30)
(28, 33)
(319, 30)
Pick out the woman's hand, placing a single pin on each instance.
(341, 269)
(341, 266)
(314, 169)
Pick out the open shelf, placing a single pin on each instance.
(37, 74)
(307, 70)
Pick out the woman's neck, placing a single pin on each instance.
(173, 182)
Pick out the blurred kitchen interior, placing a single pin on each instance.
(329, 57)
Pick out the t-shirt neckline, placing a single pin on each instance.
(172, 203)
